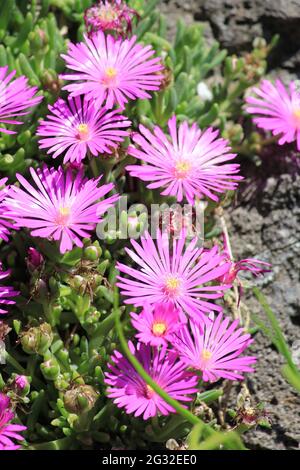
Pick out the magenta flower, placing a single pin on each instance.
(21, 382)
(176, 277)
(6, 292)
(128, 390)
(215, 350)
(64, 207)
(79, 127)
(16, 98)
(191, 165)
(255, 266)
(8, 432)
(277, 110)
(5, 225)
(155, 325)
(114, 16)
(112, 70)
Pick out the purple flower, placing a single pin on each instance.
(8, 432)
(193, 163)
(5, 225)
(16, 98)
(6, 292)
(112, 70)
(178, 276)
(114, 16)
(277, 110)
(155, 325)
(128, 390)
(64, 207)
(78, 127)
(21, 381)
(215, 350)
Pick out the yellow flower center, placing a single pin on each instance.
(206, 355)
(296, 115)
(159, 328)
(172, 286)
(109, 14)
(149, 392)
(63, 216)
(110, 76)
(182, 169)
(83, 131)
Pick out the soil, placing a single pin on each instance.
(265, 224)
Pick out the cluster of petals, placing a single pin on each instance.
(215, 350)
(16, 98)
(277, 109)
(112, 70)
(79, 127)
(113, 16)
(180, 276)
(64, 207)
(6, 292)
(128, 390)
(191, 163)
(9, 432)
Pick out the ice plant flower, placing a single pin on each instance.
(190, 164)
(16, 98)
(78, 127)
(112, 70)
(64, 207)
(216, 349)
(113, 16)
(277, 110)
(255, 266)
(8, 432)
(128, 390)
(178, 276)
(156, 324)
(6, 292)
(5, 225)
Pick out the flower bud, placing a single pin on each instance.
(22, 385)
(80, 399)
(92, 253)
(34, 259)
(37, 339)
(50, 369)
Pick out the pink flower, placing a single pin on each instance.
(16, 98)
(155, 325)
(255, 266)
(5, 225)
(6, 292)
(215, 350)
(178, 276)
(128, 390)
(8, 432)
(65, 206)
(78, 127)
(277, 110)
(191, 164)
(21, 381)
(114, 16)
(112, 70)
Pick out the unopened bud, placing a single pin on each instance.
(37, 339)
(80, 399)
